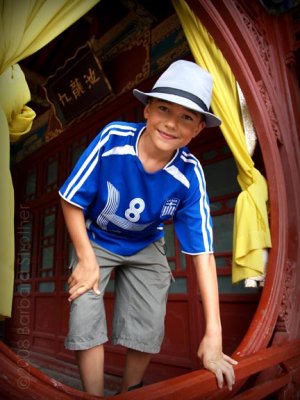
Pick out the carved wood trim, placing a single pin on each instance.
(246, 35)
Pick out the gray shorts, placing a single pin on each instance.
(142, 283)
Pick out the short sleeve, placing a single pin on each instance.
(81, 186)
(193, 222)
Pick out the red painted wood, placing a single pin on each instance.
(19, 379)
(201, 384)
(251, 41)
(255, 45)
(265, 389)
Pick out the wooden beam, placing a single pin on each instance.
(200, 384)
(264, 389)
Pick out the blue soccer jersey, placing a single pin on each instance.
(125, 206)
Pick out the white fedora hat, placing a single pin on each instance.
(187, 84)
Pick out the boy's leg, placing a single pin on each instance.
(91, 368)
(135, 367)
(87, 329)
(141, 286)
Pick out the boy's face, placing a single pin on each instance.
(171, 125)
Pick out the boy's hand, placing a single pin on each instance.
(214, 360)
(85, 276)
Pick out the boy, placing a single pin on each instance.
(131, 179)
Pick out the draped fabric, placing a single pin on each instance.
(251, 233)
(26, 26)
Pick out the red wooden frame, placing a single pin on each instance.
(239, 29)
(258, 48)
(24, 382)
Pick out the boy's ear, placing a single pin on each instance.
(146, 111)
(202, 125)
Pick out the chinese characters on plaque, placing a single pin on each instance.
(77, 86)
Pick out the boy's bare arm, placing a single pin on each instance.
(210, 349)
(86, 275)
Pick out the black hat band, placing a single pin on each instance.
(181, 93)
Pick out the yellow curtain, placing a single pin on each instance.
(251, 234)
(26, 26)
